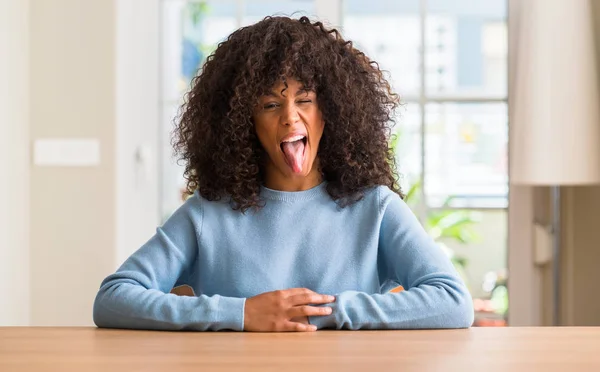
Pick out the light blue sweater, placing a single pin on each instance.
(299, 239)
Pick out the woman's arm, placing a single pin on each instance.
(434, 295)
(137, 295)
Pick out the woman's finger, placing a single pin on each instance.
(310, 298)
(291, 292)
(306, 310)
(299, 327)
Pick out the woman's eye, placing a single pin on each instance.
(305, 101)
(270, 106)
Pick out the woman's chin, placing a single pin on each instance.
(290, 173)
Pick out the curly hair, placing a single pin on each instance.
(215, 134)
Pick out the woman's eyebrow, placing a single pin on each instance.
(302, 90)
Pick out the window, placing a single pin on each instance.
(465, 154)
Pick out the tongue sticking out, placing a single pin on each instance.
(294, 153)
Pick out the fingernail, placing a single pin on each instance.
(331, 298)
(313, 327)
(328, 310)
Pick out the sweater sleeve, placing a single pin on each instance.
(434, 295)
(137, 295)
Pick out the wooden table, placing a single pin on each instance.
(476, 349)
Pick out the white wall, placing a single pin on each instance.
(94, 74)
(14, 163)
(72, 208)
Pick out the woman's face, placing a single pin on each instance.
(289, 125)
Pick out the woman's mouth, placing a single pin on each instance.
(294, 150)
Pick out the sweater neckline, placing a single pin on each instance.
(292, 196)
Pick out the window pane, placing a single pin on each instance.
(466, 47)
(388, 31)
(256, 10)
(466, 154)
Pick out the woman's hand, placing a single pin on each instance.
(285, 310)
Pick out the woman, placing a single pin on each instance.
(296, 222)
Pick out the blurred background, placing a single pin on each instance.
(91, 89)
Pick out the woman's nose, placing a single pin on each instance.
(290, 115)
